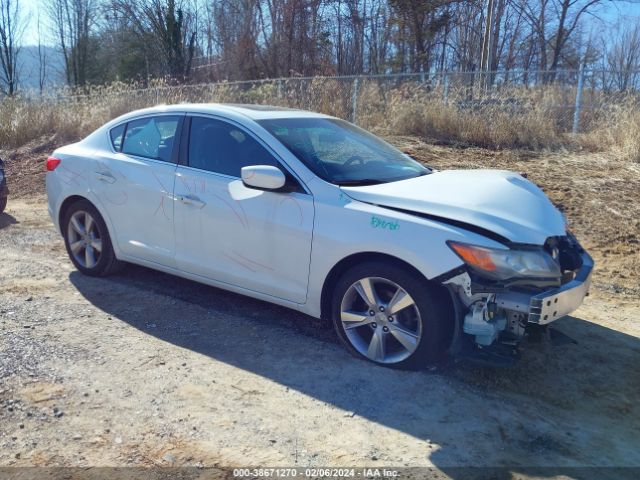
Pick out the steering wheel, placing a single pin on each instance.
(353, 160)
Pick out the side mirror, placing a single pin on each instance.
(263, 177)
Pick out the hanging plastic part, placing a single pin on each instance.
(483, 323)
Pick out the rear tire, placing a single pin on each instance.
(87, 240)
(391, 316)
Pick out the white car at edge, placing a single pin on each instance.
(312, 213)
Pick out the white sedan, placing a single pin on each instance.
(313, 213)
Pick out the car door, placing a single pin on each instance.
(254, 239)
(134, 184)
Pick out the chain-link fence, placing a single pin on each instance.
(505, 108)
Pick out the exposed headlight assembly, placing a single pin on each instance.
(505, 264)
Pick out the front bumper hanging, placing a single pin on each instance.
(545, 307)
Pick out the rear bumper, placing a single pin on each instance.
(545, 307)
(54, 190)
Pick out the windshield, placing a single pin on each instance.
(342, 153)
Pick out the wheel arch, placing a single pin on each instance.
(354, 259)
(445, 294)
(70, 200)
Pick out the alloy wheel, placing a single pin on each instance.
(381, 320)
(84, 239)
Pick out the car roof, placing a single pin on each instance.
(254, 112)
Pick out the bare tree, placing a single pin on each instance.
(421, 21)
(623, 56)
(466, 37)
(12, 27)
(569, 13)
(74, 21)
(245, 39)
(42, 59)
(536, 14)
(167, 27)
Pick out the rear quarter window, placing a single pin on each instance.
(151, 137)
(116, 137)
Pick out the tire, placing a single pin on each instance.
(3, 204)
(412, 335)
(99, 261)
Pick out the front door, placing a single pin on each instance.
(258, 240)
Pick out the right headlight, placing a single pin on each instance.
(504, 264)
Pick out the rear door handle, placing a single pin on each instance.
(191, 200)
(105, 177)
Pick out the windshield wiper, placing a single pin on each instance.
(360, 182)
(375, 181)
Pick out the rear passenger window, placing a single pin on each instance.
(116, 137)
(151, 137)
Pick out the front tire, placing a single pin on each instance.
(391, 316)
(87, 240)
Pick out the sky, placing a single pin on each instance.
(610, 12)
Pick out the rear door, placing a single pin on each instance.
(134, 183)
(258, 240)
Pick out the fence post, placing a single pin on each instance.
(445, 93)
(578, 105)
(354, 100)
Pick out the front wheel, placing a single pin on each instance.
(391, 316)
(87, 240)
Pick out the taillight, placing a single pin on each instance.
(52, 163)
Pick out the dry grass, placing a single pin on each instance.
(504, 118)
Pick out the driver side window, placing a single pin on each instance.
(221, 147)
(151, 137)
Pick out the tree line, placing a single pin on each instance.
(103, 41)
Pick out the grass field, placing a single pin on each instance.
(537, 118)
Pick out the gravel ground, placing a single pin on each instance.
(145, 369)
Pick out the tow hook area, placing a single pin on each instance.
(505, 352)
(492, 327)
(483, 323)
(494, 335)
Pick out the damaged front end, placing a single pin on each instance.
(504, 295)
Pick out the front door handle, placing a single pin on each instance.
(191, 200)
(105, 177)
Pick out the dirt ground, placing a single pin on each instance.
(147, 369)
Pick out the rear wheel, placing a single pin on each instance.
(87, 240)
(391, 316)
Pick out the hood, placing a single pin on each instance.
(500, 201)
